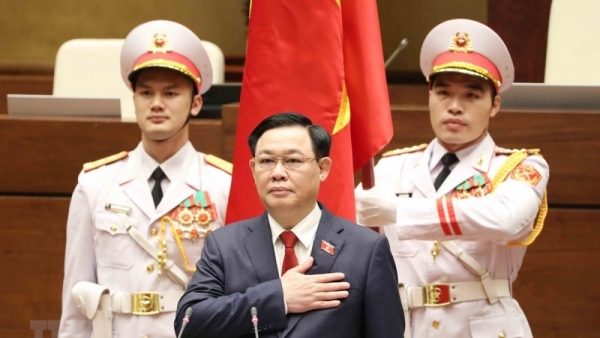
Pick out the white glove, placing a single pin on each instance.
(375, 207)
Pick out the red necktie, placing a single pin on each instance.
(289, 239)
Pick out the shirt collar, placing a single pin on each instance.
(438, 151)
(171, 167)
(305, 230)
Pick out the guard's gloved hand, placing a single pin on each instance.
(375, 207)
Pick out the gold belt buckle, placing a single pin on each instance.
(436, 295)
(145, 303)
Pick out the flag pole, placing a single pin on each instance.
(368, 174)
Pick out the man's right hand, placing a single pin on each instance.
(303, 293)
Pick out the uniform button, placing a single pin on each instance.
(435, 324)
(113, 228)
(502, 334)
(150, 268)
(153, 232)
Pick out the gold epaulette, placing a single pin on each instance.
(504, 151)
(219, 163)
(98, 163)
(406, 150)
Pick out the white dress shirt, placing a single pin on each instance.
(171, 167)
(438, 151)
(306, 231)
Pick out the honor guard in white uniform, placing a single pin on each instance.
(460, 211)
(137, 220)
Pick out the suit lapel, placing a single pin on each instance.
(135, 185)
(477, 161)
(328, 233)
(259, 246)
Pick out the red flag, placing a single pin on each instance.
(324, 60)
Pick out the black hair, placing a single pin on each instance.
(319, 137)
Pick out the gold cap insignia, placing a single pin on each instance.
(461, 43)
(160, 44)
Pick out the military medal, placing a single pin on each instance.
(203, 217)
(193, 216)
(476, 186)
(185, 217)
(189, 220)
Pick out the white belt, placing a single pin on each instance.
(448, 293)
(145, 303)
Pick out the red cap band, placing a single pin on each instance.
(473, 63)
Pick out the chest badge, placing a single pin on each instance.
(193, 216)
(476, 186)
(327, 247)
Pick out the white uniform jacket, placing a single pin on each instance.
(481, 226)
(100, 250)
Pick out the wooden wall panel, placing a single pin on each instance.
(409, 94)
(33, 251)
(229, 118)
(557, 287)
(523, 25)
(23, 84)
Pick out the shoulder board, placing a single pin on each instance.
(504, 151)
(407, 150)
(219, 163)
(107, 160)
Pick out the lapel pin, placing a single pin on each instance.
(327, 247)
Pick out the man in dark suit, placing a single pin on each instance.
(345, 285)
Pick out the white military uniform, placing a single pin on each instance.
(100, 250)
(464, 213)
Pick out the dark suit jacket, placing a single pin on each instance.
(238, 271)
